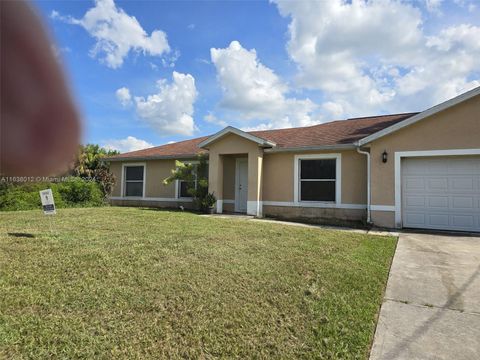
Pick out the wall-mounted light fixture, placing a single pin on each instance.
(384, 156)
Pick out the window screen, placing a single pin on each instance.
(134, 181)
(318, 180)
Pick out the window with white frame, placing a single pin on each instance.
(317, 180)
(134, 180)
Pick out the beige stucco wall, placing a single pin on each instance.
(220, 161)
(278, 172)
(116, 170)
(455, 128)
(156, 172)
(384, 219)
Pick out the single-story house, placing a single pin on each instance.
(415, 170)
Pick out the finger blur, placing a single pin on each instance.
(40, 127)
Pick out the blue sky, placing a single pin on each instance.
(171, 70)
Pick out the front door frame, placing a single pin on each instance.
(237, 180)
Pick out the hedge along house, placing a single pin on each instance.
(418, 170)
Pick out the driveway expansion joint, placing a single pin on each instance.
(432, 306)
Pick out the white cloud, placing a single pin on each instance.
(259, 127)
(469, 5)
(169, 61)
(334, 109)
(117, 33)
(212, 119)
(372, 57)
(130, 143)
(254, 91)
(55, 15)
(434, 6)
(170, 110)
(123, 95)
(59, 51)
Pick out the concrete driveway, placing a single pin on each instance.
(431, 308)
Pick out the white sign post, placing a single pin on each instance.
(47, 202)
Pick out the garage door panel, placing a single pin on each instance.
(416, 218)
(438, 219)
(437, 184)
(415, 183)
(441, 193)
(434, 167)
(464, 183)
(438, 202)
(416, 169)
(463, 220)
(462, 202)
(415, 201)
(460, 167)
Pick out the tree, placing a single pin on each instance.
(89, 159)
(195, 175)
(89, 164)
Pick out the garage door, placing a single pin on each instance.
(441, 193)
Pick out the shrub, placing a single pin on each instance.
(76, 191)
(71, 193)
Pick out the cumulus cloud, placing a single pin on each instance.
(433, 6)
(371, 57)
(123, 95)
(212, 119)
(130, 143)
(170, 110)
(254, 91)
(116, 33)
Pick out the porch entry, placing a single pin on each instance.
(241, 184)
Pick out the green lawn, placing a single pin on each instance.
(140, 283)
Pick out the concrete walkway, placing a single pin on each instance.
(431, 308)
(373, 231)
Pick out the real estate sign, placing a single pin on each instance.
(47, 202)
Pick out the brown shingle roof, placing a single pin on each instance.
(341, 132)
(187, 148)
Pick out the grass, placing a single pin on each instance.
(139, 283)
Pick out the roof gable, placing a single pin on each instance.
(420, 116)
(231, 130)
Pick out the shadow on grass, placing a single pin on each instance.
(19, 234)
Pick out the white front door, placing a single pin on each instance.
(441, 193)
(241, 185)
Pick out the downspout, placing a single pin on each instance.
(369, 218)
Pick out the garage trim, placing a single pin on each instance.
(398, 172)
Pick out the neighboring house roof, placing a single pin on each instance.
(420, 116)
(340, 133)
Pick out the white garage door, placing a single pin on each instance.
(441, 193)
